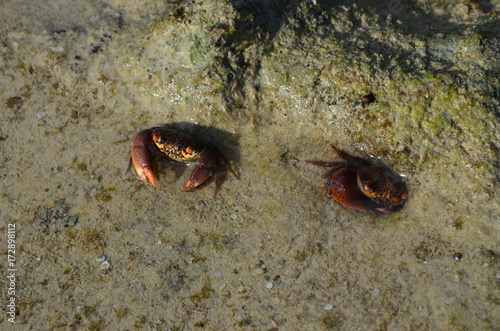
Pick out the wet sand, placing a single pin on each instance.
(271, 84)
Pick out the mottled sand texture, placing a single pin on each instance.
(411, 84)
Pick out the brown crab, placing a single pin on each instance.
(359, 184)
(180, 147)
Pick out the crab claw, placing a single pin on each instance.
(141, 156)
(200, 176)
(211, 164)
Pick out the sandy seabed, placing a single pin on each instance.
(87, 245)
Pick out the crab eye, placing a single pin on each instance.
(189, 150)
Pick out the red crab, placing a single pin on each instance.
(180, 147)
(359, 184)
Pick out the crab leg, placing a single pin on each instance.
(212, 165)
(141, 156)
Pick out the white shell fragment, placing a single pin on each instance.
(105, 265)
(101, 259)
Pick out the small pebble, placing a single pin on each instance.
(269, 285)
(295, 273)
(329, 306)
(105, 265)
(40, 114)
(101, 259)
(72, 220)
(218, 274)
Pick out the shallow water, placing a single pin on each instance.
(272, 84)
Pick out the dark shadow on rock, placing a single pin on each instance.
(408, 18)
(259, 22)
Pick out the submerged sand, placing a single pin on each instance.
(272, 83)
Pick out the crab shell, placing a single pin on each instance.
(358, 184)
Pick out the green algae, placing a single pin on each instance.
(201, 49)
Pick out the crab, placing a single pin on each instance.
(359, 184)
(180, 147)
